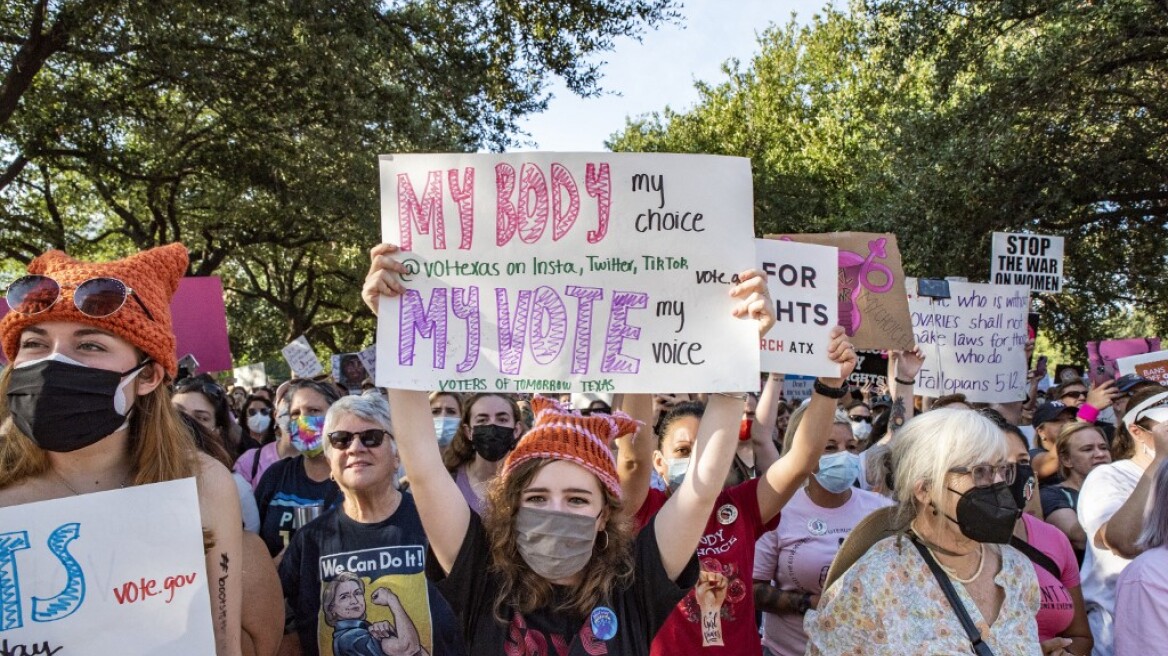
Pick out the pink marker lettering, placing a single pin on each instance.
(411, 213)
(463, 195)
(506, 216)
(598, 181)
(533, 196)
(563, 219)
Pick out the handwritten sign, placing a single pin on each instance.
(251, 376)
(552, 272)
(1153, 366)
(871, 367)
(1034, 261)
(348, 370)
(301, 358)
(81, 575)
(872, 306)
(802, 280)
(974, 342)
(797, 388)
(368, 359)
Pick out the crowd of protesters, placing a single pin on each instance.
(862, 520)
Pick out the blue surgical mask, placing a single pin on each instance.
(676, 469)
(445, 428)
(837, 471)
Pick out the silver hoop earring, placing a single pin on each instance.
(605, 532)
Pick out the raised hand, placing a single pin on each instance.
(754, 299)
(383, 278)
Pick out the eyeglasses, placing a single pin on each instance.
(96, 297)
(1078, 394)
(862, 418)
(985, 475)
(370, 439)
(251, 412)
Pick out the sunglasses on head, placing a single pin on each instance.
(97, 297)
(210, 390)
(251, 412)
(370, 439)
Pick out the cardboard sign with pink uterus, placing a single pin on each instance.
(873, 305)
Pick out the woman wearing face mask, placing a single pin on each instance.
(86, 405)
(1081, 447)
(1112, 503)
(488, 432)
(303, 480)
(789, 562)
(446, 409)
(860, 418)
(252, 464)
(953, 481)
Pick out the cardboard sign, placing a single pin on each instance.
(1034, 261)
(301, 358)
(251, 376)
(803, 285)
(348, 370)
(872, 305)
(1153, 366)
(555, 272)
(1103, 356)
(797, 388)
(974, 342)
(82, 575)
(199, 320)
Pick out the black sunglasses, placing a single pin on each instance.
(862, 418)
(251, 412)
(96, 297)
(370, 439)
(210, 390)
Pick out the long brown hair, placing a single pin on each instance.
(161, 447)
(460, 451)
(523, 590)
(1123, 446)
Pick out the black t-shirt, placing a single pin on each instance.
(635, 612)
(283, 487)
(1053, 479)
(343, 578)
(1057, 497)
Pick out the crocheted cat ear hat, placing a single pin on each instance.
(561, 434)
(153, 275)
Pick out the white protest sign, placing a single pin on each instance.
(369, 360)
(1153, 366)
(1034, 261)
(797, 388)
(251, 376)
(803, 280)
(118, 572)
(974, 342)
(555, 272)
(302, 359)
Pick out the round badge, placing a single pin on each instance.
(603, 623)
(727, 514)
(816, 527)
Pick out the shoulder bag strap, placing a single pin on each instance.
(979, 647)
(1037, 557)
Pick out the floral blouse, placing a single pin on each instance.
(890, 603)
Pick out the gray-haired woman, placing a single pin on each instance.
(1141, 593)
(372, 544)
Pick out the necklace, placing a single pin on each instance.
(73, 490)
(953, 572)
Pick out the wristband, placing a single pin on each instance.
(1088, 413)
(830, 392)
(902, 381)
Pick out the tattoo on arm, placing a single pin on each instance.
(222, 610)
(896, 420)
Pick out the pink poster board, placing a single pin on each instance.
(200, 322)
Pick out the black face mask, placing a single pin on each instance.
(492, 442)
(987, 514)
(1023, 483)
(63, 406)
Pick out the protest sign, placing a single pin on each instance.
(1034, 261)
(368, 359)
(1103, 356)
(82, 575)
(797, 388)
(301, 358)
(974, 342)
(871, 367)
(872, 305)
(1153, 366)
(251, 376)
(803, 285)
(554, 272)
(200, 323)
(348, 370)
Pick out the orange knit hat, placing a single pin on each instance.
(153, 276)
(561, 434)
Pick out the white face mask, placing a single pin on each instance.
(258, 423)
(675, 471)
(861, 429)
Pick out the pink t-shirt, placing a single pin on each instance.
(797, 555)
(1058, 609)
(268, 454)
(1141, 605)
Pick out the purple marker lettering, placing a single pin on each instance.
(619, 330)
(582, 346)
(598, 181)
(562, 220)
(430, 322)
(512, 330)
(506, 216)
(547, 308)
(533, 219)
(465, 305)
(411, 213)
(463, 195)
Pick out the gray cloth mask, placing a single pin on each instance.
(554, 545)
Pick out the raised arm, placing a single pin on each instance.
(680, 523)
(219, 507)
(634, 457)
(788, 473)
(903, 367)
(762, 433)
(445, 515)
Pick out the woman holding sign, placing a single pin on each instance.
(553, 562)
(87, 407)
